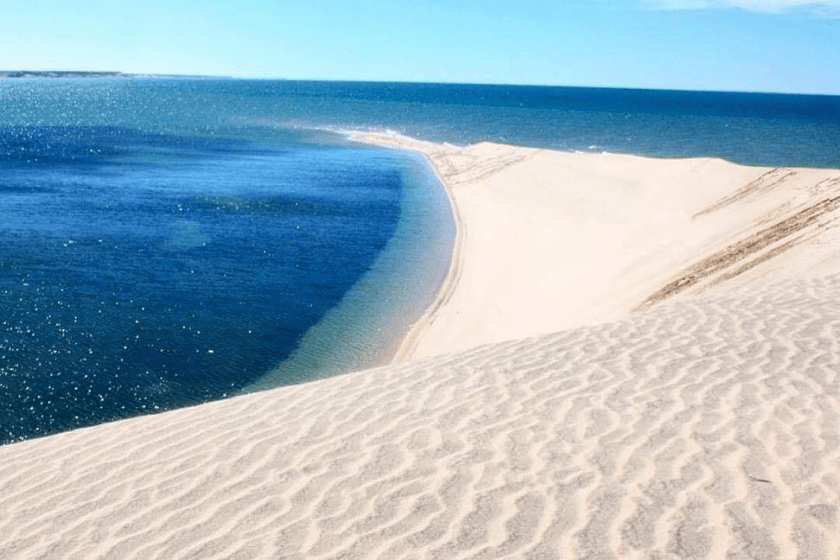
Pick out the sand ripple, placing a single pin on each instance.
(703, 427)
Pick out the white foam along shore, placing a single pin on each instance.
(631, 358)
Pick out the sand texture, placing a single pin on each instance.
(695, 415)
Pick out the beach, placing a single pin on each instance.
(629, 358)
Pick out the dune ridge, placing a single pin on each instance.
(703, 424)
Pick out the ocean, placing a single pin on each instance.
(169, 241)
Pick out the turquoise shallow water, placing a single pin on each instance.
(168, 241)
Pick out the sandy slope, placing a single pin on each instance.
(704, 424)
(695, 429)
(552, 240)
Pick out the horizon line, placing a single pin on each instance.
(46, 74)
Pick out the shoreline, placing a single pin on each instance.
(407, 347)
(359, 333)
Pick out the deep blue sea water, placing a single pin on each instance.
(165, 241)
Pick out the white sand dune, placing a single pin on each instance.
(552, 240)
(694, 413)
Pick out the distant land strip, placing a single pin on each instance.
(81, 74)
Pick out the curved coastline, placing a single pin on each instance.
(370, 323)
(408, 346)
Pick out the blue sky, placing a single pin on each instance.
(743, 45)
